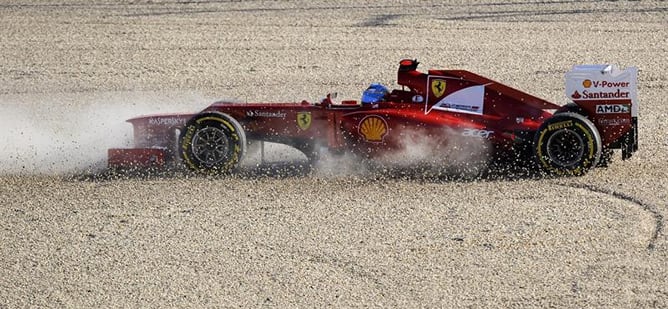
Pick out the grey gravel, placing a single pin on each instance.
(72, 71)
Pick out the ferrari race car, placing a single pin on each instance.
(440, 112)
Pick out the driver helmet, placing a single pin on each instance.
(374, 94)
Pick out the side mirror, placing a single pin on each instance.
(417, 99)
(329, 99)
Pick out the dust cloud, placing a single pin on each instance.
(66, 133)
(69, 133)
(445, 152)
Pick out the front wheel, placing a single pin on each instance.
(567, 144)
(212, 142)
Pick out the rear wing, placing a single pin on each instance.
(609, 97)
(603, 82)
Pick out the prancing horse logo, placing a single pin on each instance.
(438, 87)
(304, 120)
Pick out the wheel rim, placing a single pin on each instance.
(210, 145)
(565, 147)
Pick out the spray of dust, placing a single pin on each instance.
(447, 148)
(421, 154)
(57, 134)
(446, 152)
(345, 164)
(60, 134)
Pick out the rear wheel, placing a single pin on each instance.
(567, 144)
(212, 142)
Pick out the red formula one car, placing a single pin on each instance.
(447, 114)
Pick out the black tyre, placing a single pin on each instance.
(212, 142)
(567, 144)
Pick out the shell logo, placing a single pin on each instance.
(586, 83)
(373, 128)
